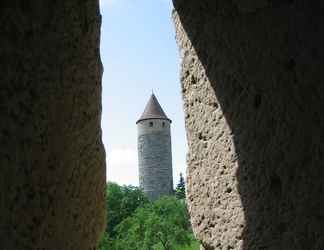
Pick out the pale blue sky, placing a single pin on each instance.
(139, 53)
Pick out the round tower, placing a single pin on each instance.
(154, 151)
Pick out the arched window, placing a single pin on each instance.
(163, 124)
(151, 124)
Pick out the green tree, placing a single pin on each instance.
(180, 191)
(122, 201)
(163, 224)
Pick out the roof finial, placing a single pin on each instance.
(152, 92)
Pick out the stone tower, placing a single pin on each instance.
(154, 151)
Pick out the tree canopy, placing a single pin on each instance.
(160, 225)
(122, 202)
(135, 223)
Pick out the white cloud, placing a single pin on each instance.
(122, 166)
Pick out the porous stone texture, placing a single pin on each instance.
(155, 157)
(52, 163)
(251, 75)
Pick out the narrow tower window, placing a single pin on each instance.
(163, 124)
(151, 124)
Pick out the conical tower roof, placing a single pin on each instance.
(153, 110)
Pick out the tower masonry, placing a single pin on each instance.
(154, 151)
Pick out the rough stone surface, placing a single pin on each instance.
(155, 157)
(52, 169)
(252, 74)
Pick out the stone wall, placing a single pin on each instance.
(155, 158)
(251, 75)
(52, 163)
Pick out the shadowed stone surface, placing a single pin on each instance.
(252, 74)
(52, 163)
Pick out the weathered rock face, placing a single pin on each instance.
(52, 173)
(253, 95)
